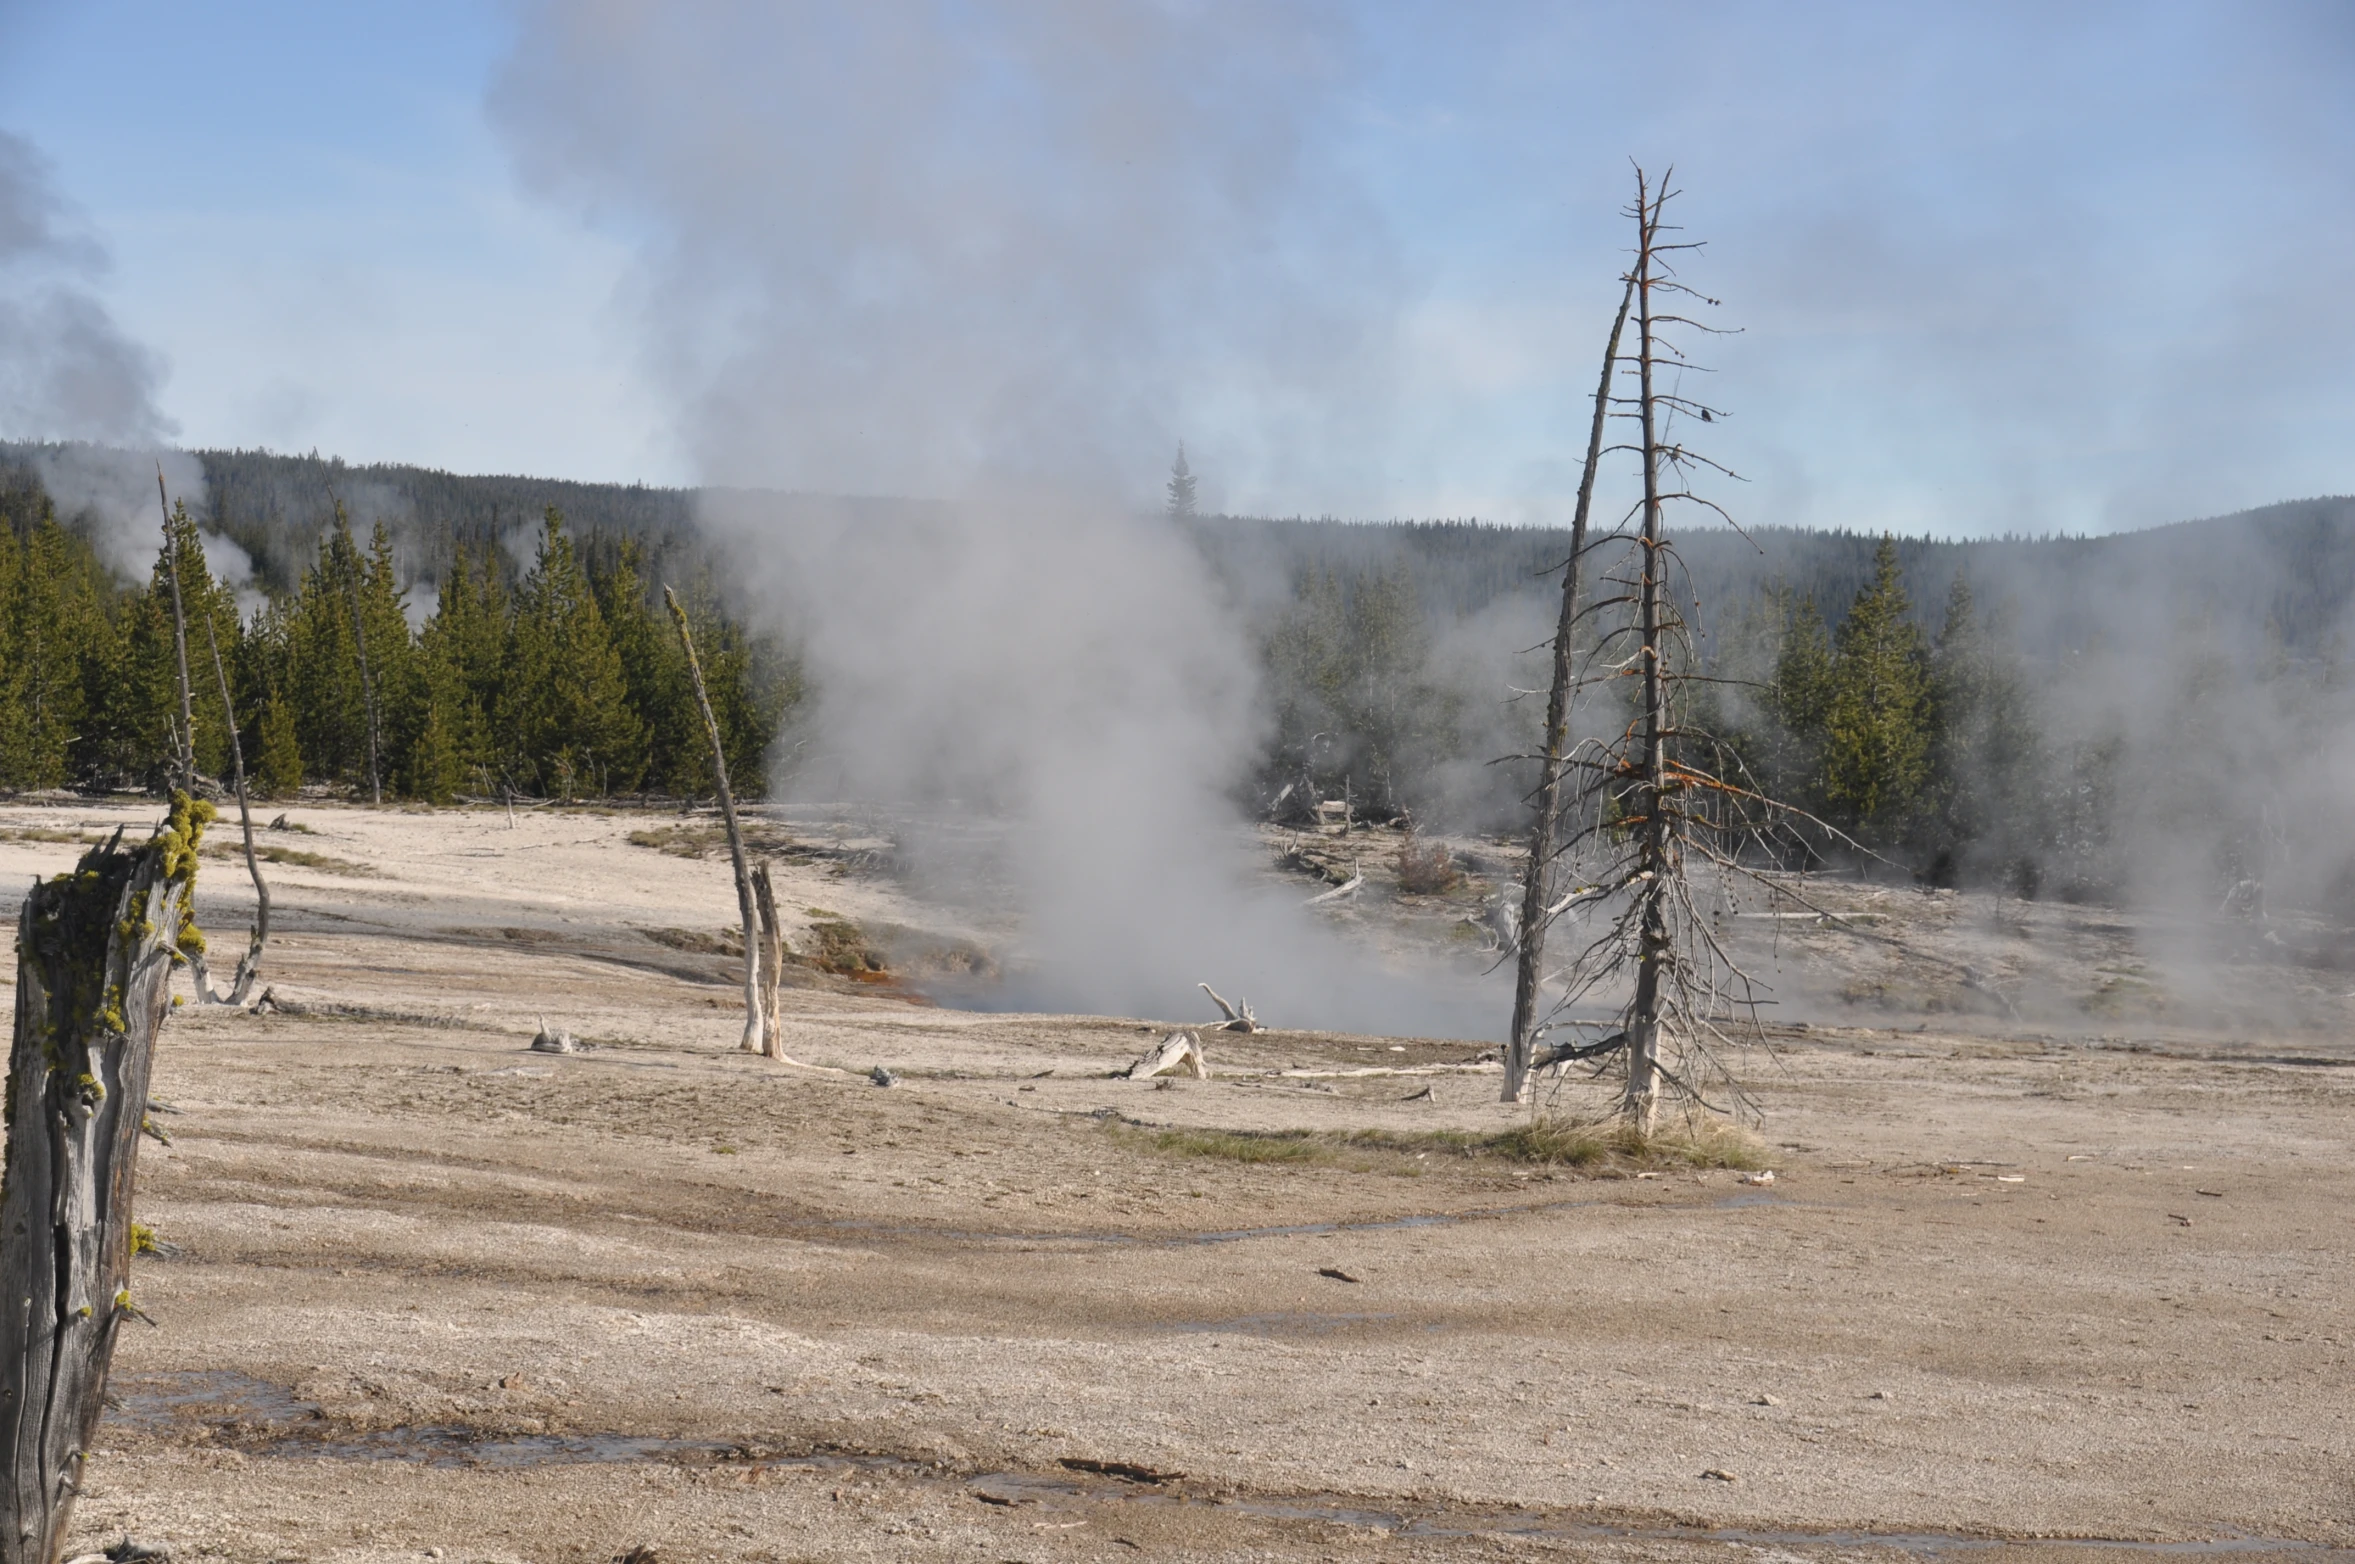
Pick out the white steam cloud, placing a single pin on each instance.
(1002, 256)
(910, 248)
(67, 372)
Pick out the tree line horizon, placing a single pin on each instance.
(1888, 685)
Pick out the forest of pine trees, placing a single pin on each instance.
(1956, 708)
(1923, 750)
(560, 680)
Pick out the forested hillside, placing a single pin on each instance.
(2009, 709)
(544, 668)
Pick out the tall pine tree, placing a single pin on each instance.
(565, 705)
(1876, 720)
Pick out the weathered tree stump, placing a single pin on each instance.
(1179, 1050)
(95, 951)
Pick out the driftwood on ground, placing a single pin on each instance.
(1345, 889)
(1238, 1015)
(1179, 1050)
(95, 952)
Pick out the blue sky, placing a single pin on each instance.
(1995, 267)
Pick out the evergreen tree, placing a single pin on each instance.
(434, 763)
(16, 761)
(463, 651)
(324, 686)
(146, 698)
(654, 674)
(1181, 487)
(1876, 721)
(392, 671)
(54, 625)
(1986, 762)
(1799, 704)
(278, 758)
(565, 705)
(1356, 709)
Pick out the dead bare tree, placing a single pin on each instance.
(759, 1037)
(772, 963)
(249, 966)
(1546, 806)
(184, 740)
(1665, 813)
(95, 952)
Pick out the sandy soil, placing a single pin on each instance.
(439, 1297)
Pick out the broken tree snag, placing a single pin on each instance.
(772, 964)
(95, 950)
(1238, 1015)
(1178, 1049)
(755, 1028)
(249, 966)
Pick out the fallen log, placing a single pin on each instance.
(1176, 1050)
(95, 952)
(1346, 888)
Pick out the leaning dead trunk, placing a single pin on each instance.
(95, 951)
(757, 1038)
(1530, 935)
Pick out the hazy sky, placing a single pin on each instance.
(1997, 267)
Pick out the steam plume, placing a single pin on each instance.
(1001, 256)
(67, 372)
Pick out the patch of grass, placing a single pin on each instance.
(34, 833)
(1245, 1145)
(1545, 1142)
(727, 942)
(697, 841)
(842, 948)
(296, 857)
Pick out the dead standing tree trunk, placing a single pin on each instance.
(1535, 914)
(1654, 873)
(95, 951)
(184, 746)
(772, 964)
(249, 966)
(1662, 805)
(758, 1036)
